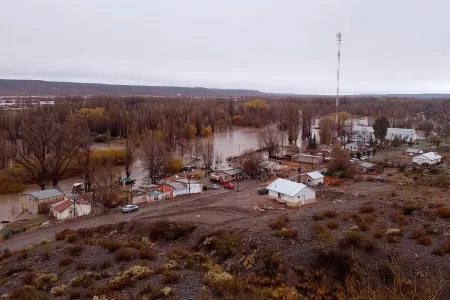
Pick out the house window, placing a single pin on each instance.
(309, 179)
(280, 195)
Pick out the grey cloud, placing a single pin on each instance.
(277, 46)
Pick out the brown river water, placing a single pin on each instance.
(230, 143)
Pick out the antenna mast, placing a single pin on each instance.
(339, 40)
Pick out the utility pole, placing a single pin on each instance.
(339, 40)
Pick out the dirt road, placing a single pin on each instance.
(151, 210)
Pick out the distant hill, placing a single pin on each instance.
(419, 96)
(45, 88)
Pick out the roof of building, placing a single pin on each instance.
(315, 175)
(177, 185)
(186, 181)
(45, 194)
(366, 165)
(231, 172)
(413, 150)
(267, 164)
(62, 205)
(286, 187)
(432, 155)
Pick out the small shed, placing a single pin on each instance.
(312, 178)
(155, 195)
(167, 191)
(291, 193)
(430, 158)
(229, 174)
(66, 209)
(179, 189)
(366, 167)
(307, 158)
(270, 166)
(39, 202)
(413, 151)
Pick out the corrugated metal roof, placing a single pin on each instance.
(412, 150)
(46, 194)
(177, 185)
(315, 175)
(432, 155)
(366, 165)
(286, 187)
(62, 205)
(231, 172)
(186, 181)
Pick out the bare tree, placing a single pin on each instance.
(250, 161)
(326, 127)
(5, 151)
(206, 152)
(130, 147)
(34, 153)
(65, 144)
(269, 140)
(105, 183)
(154, 157)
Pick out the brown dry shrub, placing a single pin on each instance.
(332, 224)
(330, 214)
(126, 254)
(363, 226)
(424, 240)
(279, 223)
(75, 250)
(416, 233)
(65, 261)
(367, 208)
(399, 219)
(443, 212)
(442, 249)
(288, 233)
(147, 252)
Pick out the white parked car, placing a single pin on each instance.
(129, 208)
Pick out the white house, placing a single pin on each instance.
(195, 186)
(291, 193)
(312, 178)
(65, 209)
(430, 158)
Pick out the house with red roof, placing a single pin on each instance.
(67, 209)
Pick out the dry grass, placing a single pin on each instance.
(399, 219)
(75, 250)
(170, 276)
(279, 223)
(357, 240)
(287, 233)
(147, 252)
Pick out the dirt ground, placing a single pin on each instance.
(355, 216)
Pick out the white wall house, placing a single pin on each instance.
(65, 209)
(430, 158)
(290, 192)
(312, 178)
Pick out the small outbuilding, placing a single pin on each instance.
(312, 178)
(430, 158)
(66, 209)
(367, 168)
(413, 151)
(229, 174)
(179, 189)
(291, 193)
(39, 202)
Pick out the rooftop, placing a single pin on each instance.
(315, 175)
(45, 194)
(432, 155)
(366, 165)
(177, 185)
(62, 205)
(286, 187)
(231, 172)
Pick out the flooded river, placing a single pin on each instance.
(230, 143)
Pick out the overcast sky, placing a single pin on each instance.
(389, 46)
